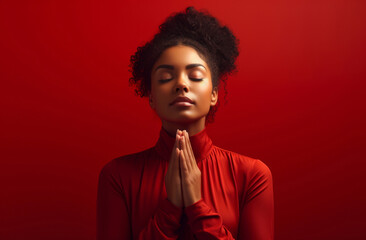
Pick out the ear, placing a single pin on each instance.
(214, 96)
(151, 101)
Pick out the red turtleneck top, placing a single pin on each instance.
(237, 196)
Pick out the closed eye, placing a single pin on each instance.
(196, 79)
(165, 80)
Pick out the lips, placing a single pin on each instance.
(182, 99)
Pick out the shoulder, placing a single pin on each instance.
(242, 163)
(252, 175)
(237, 159)
(125, 163)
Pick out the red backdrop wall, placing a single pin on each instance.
(297, 103)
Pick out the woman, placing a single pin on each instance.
(185, 187)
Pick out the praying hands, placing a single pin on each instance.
(183, 177)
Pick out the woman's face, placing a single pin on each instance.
(181, 72)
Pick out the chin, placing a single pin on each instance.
(183, 118)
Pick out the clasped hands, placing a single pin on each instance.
(183, 177)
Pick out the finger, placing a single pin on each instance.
(180, 133)
(185, 153)
(180, 142)
(176, 162)
(192, 160)
(190, 146)
(183, 164)
(176, 149)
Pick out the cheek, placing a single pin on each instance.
(204, 100)
(160, 97)
(205, 93)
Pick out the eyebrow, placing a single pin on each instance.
(171, 67)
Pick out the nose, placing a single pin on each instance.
(182, 84)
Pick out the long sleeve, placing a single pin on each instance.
(206, 223)
(237, 196)
(257, 211)
(112, 215)
(164, 224)
(256, 215)
(113, 220)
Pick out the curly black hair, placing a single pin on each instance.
(215, 44)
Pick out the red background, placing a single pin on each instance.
(297, 103)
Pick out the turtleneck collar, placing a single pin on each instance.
(200, 142)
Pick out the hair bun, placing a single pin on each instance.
(205, 29)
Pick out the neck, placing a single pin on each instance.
(192, 127)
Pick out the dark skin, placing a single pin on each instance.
(183, 178)
(180, 71)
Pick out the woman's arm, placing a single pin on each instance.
(164, 224)
(112, 216)
(257, 207)
(256, 213)
(113, 220)
(204, 222)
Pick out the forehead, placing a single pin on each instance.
(179, 55)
